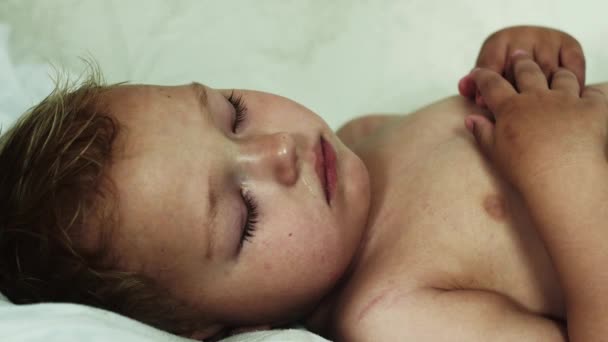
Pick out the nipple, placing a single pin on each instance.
(496, 206)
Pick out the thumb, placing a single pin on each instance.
(483, 131)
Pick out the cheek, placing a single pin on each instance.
(295, 227)
(297, 256)
(303, 248)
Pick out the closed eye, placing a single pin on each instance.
(252, 217)
(240, 110)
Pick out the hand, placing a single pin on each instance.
(551, 49)
(540, 128)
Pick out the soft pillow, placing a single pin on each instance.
(63, 322)
(52, 322)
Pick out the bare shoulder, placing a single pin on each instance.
(441, 117)
(359, 128)
(446, 315)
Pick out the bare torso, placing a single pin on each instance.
(442, 218)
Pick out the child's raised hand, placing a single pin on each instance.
(541, 128)
(551, 49)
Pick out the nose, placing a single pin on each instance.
(270, 156)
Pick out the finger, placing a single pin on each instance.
(493, 54)
(483, 131)
(513, 48)
(479, 100)
(466, 87)
(493, 87)
(565, 80)
(528, 75)
(547, 57)
(572, 57)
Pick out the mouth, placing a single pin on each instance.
(325, 167)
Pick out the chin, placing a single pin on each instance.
(358, 196)
(357, 192)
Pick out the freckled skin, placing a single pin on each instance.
(496, 206)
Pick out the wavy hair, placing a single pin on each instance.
(58, 211)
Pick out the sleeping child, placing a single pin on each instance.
(208, 211)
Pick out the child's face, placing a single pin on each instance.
(181, 171)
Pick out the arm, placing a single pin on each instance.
(572, 219)
(439, 315)
(576, 233)
(549, 141)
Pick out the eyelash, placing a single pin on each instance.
(252, 208)
(239, 108)
(252, 217)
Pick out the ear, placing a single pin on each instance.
(207, 332)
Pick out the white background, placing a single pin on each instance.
(340, 58)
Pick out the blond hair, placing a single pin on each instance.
(57, 211)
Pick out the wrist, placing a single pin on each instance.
(562, 173)
(565, 191)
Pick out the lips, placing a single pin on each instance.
(325, 167)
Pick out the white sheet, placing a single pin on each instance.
(77, 323)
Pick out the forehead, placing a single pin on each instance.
(156, 171)
(133, 102)
(147, 113)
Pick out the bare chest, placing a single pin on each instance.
(442, 217)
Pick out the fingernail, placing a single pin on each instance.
(519, 52)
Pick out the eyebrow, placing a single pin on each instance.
(201, 97)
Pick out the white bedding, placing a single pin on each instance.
(78, 323)
(341, 58)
